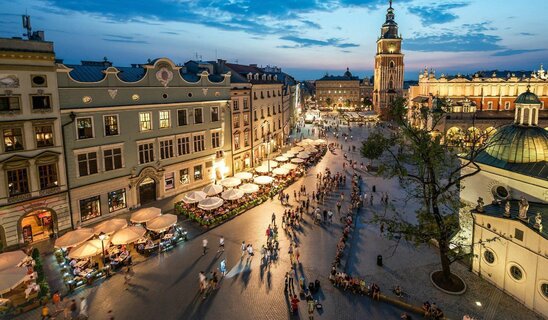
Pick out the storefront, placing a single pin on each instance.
(37, 226)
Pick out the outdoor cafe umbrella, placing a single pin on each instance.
(11, 259)
(88, 249)
(296, 149)
(231, 182)
(249, 188)
(303, 144)
(145, 214)
(232, 194)
(127, 235)
(263, 180)
(110, 226)
(269, 163)
(303, 155)
(162, 222)
(263, 169)
(244, 175)
(11, 277)
(210, 203)
(280, 172)
(194, 196)
(281, 159)
(319, 142)
(310, 149)
(308, 141)
(213, 189)
(297, 160)
(74, 238)
(289, 166)
(289, 154)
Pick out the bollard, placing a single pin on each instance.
(379, 260)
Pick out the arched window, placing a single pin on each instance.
(507, 105)
(392, 64)
(390, 84)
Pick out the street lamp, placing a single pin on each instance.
(102, 237)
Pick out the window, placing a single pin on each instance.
(146, 153)
(246, 106)
(198, 172)
(392, 64)
(18, 182)
(490, 105)
(44, 136)
(13, 139)
(279, 108)
(246, 138)
(182, 119)
(279, 123)
(145, 121)
(516, 272)
(183, 145)
(48, 176)
(9, 103)
(84, 127)
(489, 256)
(198, 115)
(214, 114)
(113, 159)
(90, 208)
(184, 178)
(246, 119)
(111, 125)
(236, 141)
(235, 105)
(236, 121)
(198, 142)
(117, 200)
(262, 114)
(215, 139)
(544, 289)
(169, 181)
(40, 102)
(507, 105)
(164, 119)
(255, 114)
(87, 164)
(166, 149)
(38, 81)
(256, 134)
(518, 234)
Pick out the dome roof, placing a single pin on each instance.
(519, 144)
(528, 98)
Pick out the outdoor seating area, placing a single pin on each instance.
(18, 280)
(87, 254)
(231, 196)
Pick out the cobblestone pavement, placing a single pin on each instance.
(166, 286)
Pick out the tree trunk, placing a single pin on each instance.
(445, 263)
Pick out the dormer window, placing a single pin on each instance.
(275, 77)
(269, 77)
(256, 76)
(249, 76)
(264, 77)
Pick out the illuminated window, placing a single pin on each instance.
(165, 122)
(198, 172)
(90, 208)
(145, 121)
(117, 200)
(111, 125)
(84, 127)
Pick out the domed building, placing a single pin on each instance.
(510, 200)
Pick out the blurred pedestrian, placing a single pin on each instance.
(204, 246)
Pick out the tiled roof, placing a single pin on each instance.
(338, 78)
(533, 169)
(95, 73)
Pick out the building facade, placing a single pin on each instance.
(389, 66)
(338, 92)
(138, 134)
(33, 192)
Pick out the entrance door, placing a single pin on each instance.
(147, 191)
(37, 226)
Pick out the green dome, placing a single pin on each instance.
(528, 98)
(519, 144)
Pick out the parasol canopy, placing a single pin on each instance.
(249, 188)
(290, 166)
(297, 160)
(11, 259)
(273, 164)
(11, 277)
(213, 189)
(128, 235)
(296, 149)
(263, 180)
(232, 194)
(88, 249)
(319, 142)
(244, 175)
(280, 172)
(281, 159)
(210, 203)
(74, 238)
(162, 222)
(145, 214)
(231, 182)
(194, 197)
(289, 154)
(110, 226)
(303, 155)
(263, 169)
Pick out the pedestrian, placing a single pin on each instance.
(311, 306)
(244, 247)
(297, 255)
(73, 309)
(221, 244)
(83, 308)
(45, 312)
(273, 218)
(339, 207)
(382, 228)
(202, 280)
(250, 249)
(204, 246)
(56, 298)
(127, 276)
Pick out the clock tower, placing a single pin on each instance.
(388, 82)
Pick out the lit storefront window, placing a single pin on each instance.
(90, 208)
(117, 200)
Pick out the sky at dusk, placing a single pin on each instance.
(307, 38)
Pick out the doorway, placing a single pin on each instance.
(37, 226)
(147, 191)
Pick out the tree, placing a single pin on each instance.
(431, 172)
(347, 103)
(328, 101)
(375, 148)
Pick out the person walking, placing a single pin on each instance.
(45, 312)
(273, 218)
(244, 248)
(83, 308)
(221, 244)
(250, 250)
(204, 246)
(73, 309)
(127, 276)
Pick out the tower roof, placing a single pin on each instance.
(528, 98)
(389, 29)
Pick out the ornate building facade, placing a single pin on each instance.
(389, 66)
(338, 92)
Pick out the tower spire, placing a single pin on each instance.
(390, 4)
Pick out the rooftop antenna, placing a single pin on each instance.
(26, 25)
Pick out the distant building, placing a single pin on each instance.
(338, 92)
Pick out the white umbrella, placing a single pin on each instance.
(297, 160)
(232, 194)
(273, 164)
(162, 222)
(11, 277)
(303, 155)
(281, 159)
(213, 189)
(290, 166)
(262, 169)
(308, 141)
(296, 149)
(319, 142)
(210, 203)
(74, 238)
(244, 175)
(110, 226)
(145, 214)
(11, 259)
(310, 150)
(302, 143)
(194, 196)
(280, 172)
(263, 180)
(128, 235)
(249, 188)
(289, 154)
(88, 249)
(231, 182)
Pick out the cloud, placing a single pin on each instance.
(437, 14)
(170, 32)
(511, 52)
(527, 34)
(311, 24)
(451, 42)
(479, 27)
(124, 40)
(307, 43)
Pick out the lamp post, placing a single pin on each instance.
(102, 237)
